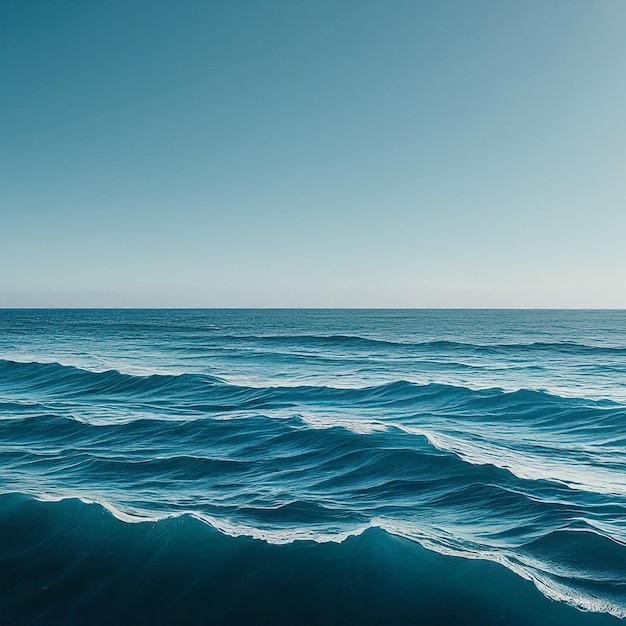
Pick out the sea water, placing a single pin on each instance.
(312, 466)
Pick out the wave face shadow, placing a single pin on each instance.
(72, 563)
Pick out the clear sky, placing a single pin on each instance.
(319, 153)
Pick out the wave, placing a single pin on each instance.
(364, 469)
(72, 380)
(68, 562)
(348, 457)
(437, 345)
(533, 434)
(190, 396)
(569, 347)
(76, 380)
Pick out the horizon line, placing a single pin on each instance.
(298, 308)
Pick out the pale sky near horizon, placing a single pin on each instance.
(321, 153)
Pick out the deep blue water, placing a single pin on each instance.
(323, 467)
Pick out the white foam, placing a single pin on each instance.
(524, 465)
(359, 426)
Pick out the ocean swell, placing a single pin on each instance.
(71, 563)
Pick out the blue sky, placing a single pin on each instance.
(323, 153)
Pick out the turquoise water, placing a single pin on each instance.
(285, 466)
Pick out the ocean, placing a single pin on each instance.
(312, 467)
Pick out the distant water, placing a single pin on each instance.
(323, 467)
